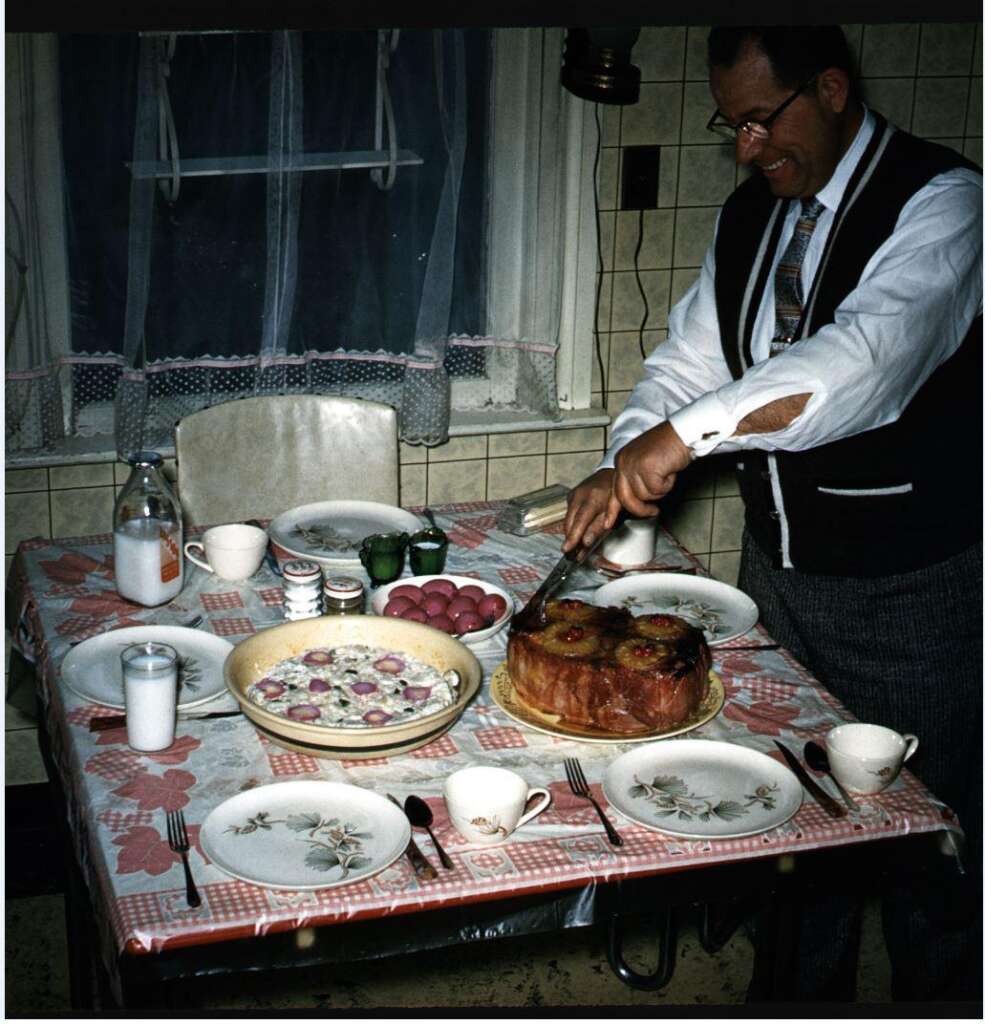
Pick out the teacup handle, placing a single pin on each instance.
(911, 745)
(535, 810)
(191, 558)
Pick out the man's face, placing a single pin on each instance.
(805, 142)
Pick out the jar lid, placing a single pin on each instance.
(145, 458)
(343, 586)
(300, 570)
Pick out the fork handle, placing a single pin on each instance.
(613, 835)
(191, 892)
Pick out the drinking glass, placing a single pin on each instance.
(382, 555)
(428, 550)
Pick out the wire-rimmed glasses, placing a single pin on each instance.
(758, 131)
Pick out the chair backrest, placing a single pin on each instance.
(258, 457)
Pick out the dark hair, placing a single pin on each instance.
(795, 52)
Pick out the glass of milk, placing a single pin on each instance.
(147, 534)
(150, 692)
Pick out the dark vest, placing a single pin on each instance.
(926, 467)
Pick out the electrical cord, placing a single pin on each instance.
(598, 243)
(639, 281)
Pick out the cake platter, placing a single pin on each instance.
(509, 701)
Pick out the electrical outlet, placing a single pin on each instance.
(640, 177)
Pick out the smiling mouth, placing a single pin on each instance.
(774, 166)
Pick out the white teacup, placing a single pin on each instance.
(867, 758)
(233, 552)
(633, 543)
(486, 804)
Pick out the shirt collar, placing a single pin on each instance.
(833, 191)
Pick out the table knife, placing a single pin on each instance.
(824, 799)
(423, 868)
(104, 722)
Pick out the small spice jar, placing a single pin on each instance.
(342, 595)
(302, 589)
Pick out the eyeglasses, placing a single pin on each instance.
(756, 130)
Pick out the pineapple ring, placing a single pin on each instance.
(641, 653)
(567, 609)
(569, 640)
(660, 627)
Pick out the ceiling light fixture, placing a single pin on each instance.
(597, 65)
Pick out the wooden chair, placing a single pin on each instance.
(258, 457)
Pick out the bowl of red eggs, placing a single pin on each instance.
(470, 609)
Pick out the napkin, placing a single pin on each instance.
(534, 510)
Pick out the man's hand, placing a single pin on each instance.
(647, 468)
(587, 506)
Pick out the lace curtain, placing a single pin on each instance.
(227, 252)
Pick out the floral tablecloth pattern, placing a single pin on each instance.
(62, 591)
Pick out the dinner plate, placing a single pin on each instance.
(93, 669)
(307, 834)
(507, 699)
(330, 532)
(721, 611)
(702, 789)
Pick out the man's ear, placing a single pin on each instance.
(833, 87)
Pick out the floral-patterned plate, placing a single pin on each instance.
(702, 789)
(721, 611)
(330, 532)
(307, 834)
(93, 669)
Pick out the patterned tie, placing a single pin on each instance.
(786, 283)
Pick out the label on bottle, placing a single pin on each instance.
(170, 557)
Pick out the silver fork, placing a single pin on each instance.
(579, 786)
(178, 841)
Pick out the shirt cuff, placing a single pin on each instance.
(704, 424)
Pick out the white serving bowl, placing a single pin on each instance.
(251, 659)
(382, 595)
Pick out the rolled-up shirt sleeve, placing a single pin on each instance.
(910, 312)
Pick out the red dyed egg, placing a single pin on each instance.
(473, 591)
(396, 606)
(435, 604)
(492, 607)
(415, 614)
(440, 586)
(442, 622)
(407, 590)
(458, 605)
(469, 622)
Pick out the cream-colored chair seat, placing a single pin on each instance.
(258, 457)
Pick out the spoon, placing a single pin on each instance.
(420, 816)
(816, 757)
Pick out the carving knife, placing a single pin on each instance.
(531, 615)
(423, 868)
(828, 802)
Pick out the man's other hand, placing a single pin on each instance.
(647, 468)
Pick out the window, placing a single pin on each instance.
(198, 285)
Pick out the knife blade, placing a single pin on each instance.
(423, 868)
(827, 801)
(531, 615)
(105, 722)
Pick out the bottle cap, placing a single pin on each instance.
(300, 570)
(344, 587)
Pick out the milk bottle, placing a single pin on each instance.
(147, 534)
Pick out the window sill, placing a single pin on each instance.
(83, 450)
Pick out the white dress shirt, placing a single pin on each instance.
(913, 305)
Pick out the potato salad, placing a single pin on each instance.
(354, 686)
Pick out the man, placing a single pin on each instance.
(834, 339)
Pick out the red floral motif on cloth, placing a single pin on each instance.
(74, 566)
(143, 848)
(764, 717)
(167, 792)
(84, 715)
(106, 605)
(84, 626)
(178, 752)
(738, 664)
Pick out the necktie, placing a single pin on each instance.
(786, 283)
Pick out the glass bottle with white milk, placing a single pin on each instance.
(147, 534)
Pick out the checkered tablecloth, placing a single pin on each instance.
(61, 591)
